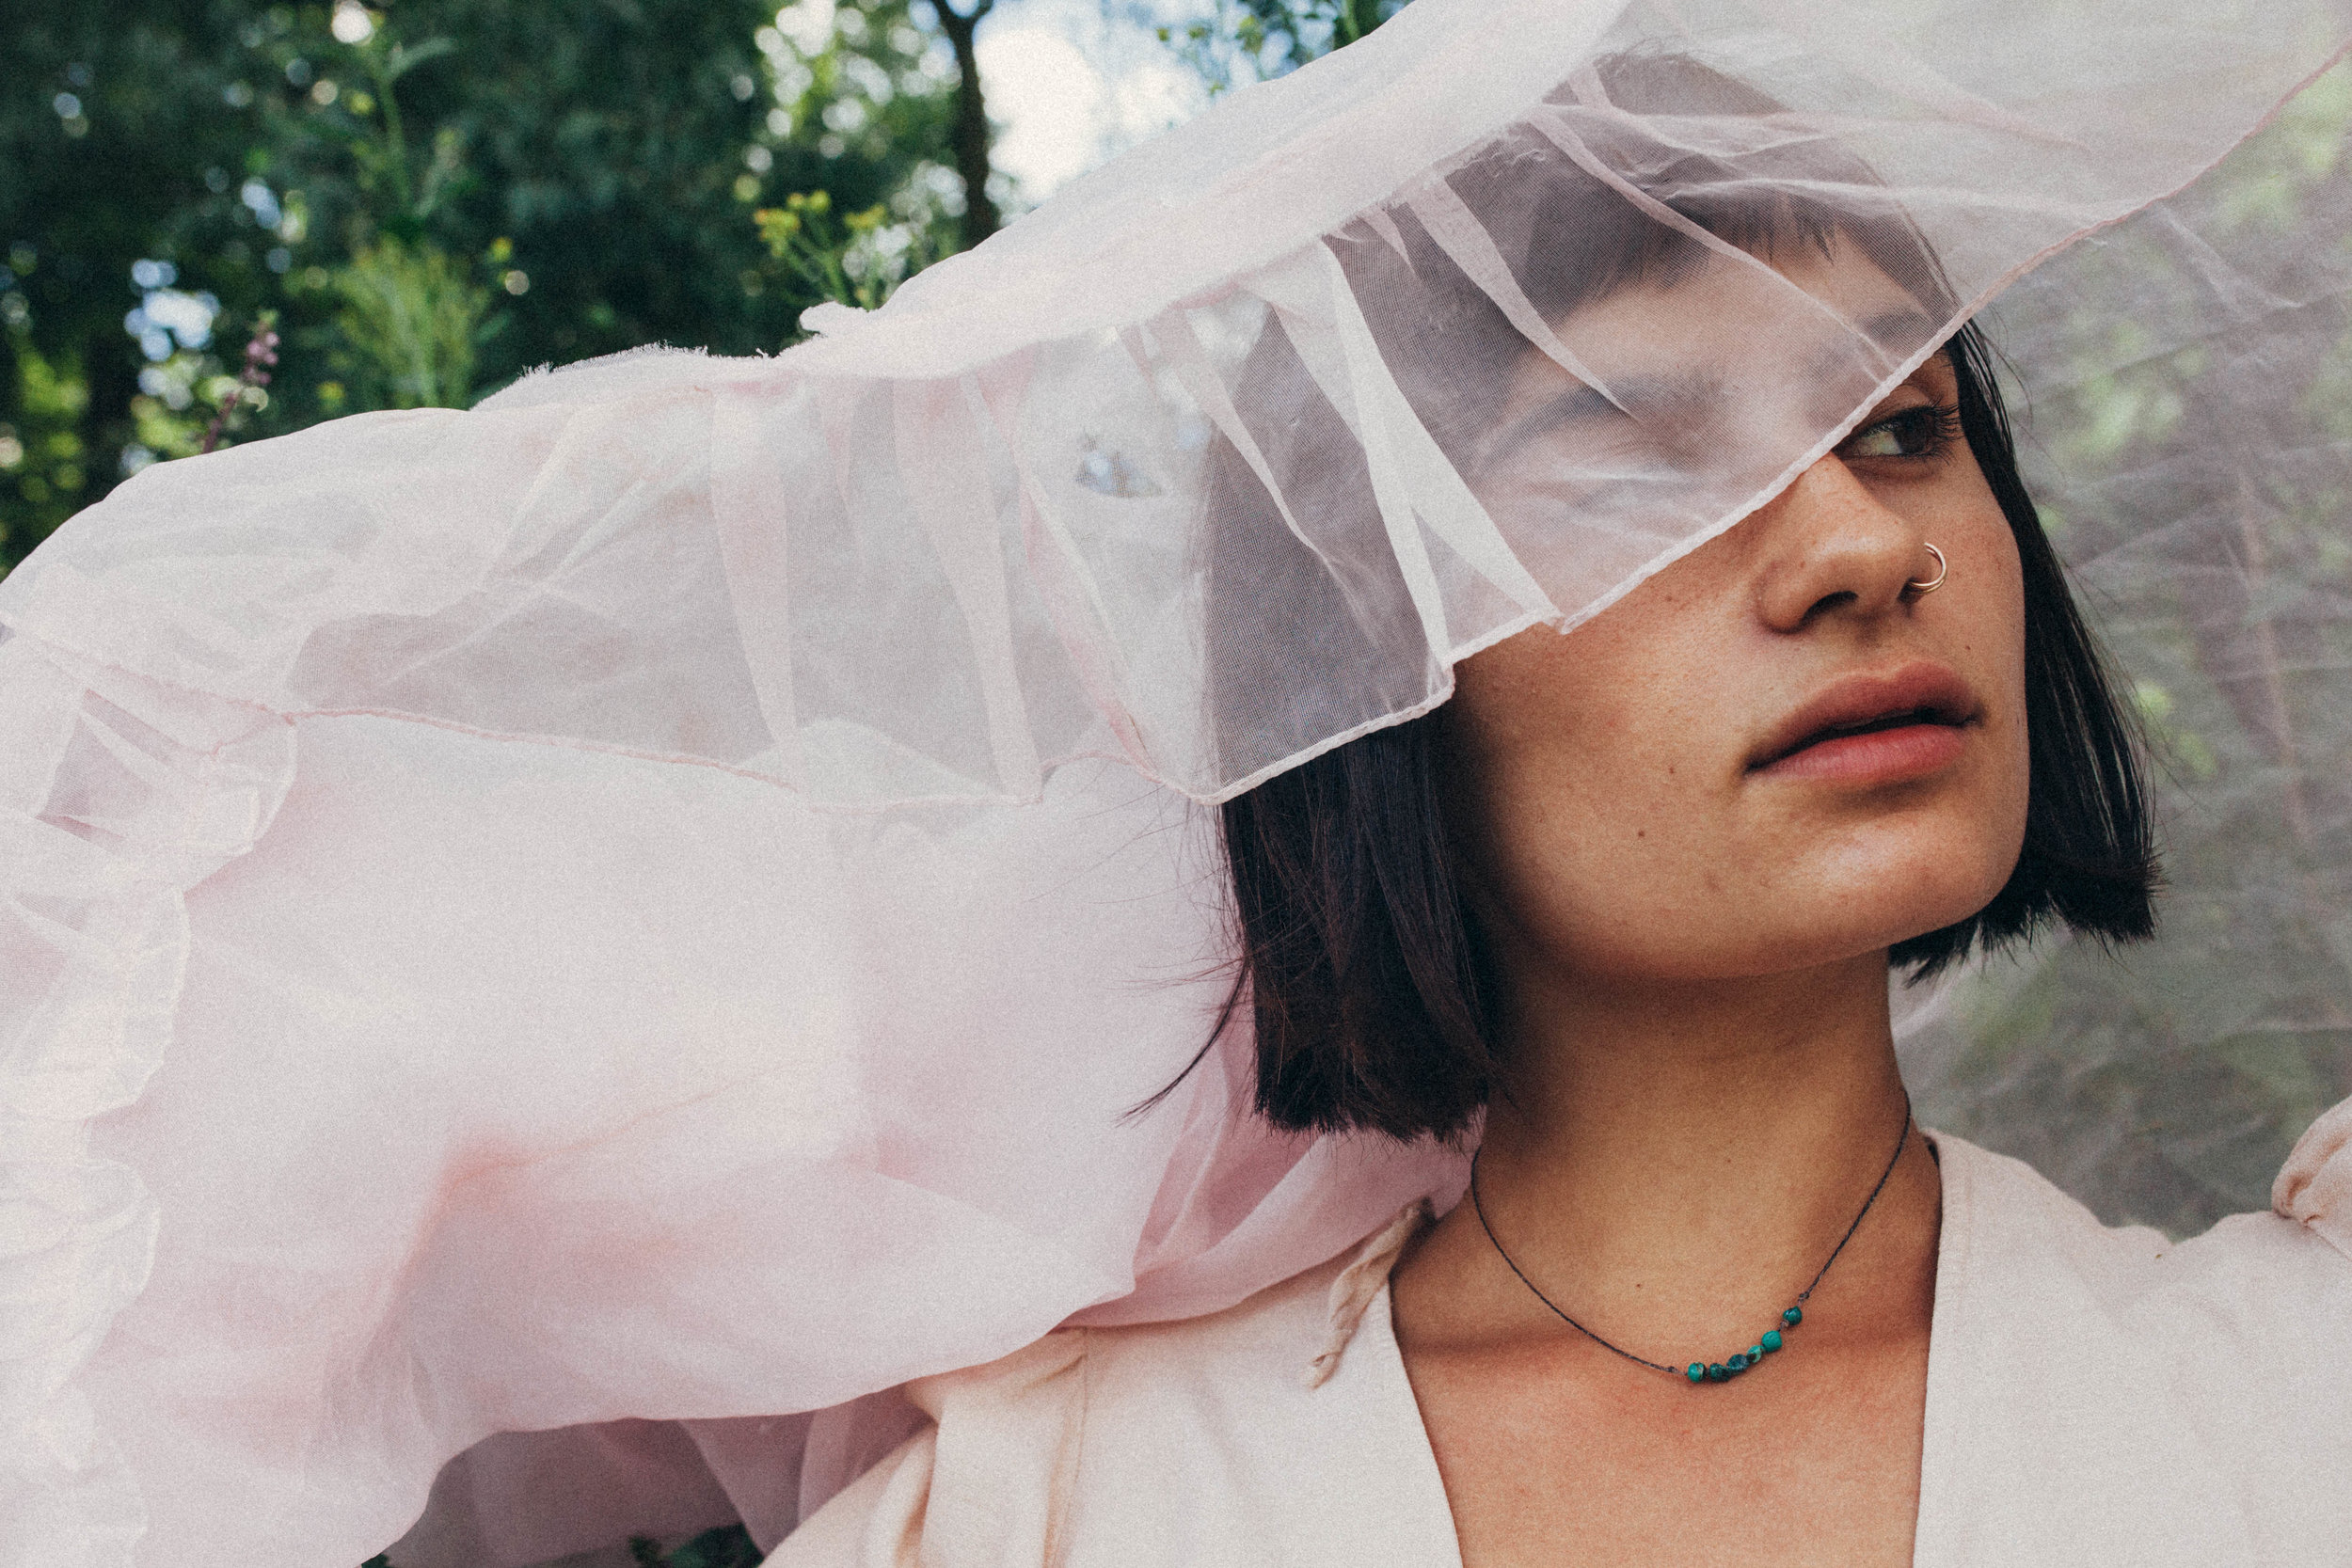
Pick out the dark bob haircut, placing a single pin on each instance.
(1359, 961)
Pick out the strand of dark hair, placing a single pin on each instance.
(1371, 1004)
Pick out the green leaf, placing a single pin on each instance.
(402, 58)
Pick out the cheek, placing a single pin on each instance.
(1580, 803)
(1986, 626)
(1603, 818)
(1931, 862)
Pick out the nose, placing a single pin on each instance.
(1828, 547)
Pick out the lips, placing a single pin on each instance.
(1907, 708)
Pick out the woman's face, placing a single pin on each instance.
(1772, 755)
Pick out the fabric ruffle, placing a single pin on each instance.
(1211, 492)
(117, 796)
(492, 1090)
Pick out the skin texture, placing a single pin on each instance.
(1693, 951)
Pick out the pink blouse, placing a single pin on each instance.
(2095, 1397)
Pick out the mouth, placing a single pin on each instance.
(1874, 728)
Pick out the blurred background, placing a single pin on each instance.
(226, 219)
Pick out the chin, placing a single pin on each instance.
(1907, 895)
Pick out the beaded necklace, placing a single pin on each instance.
(1733, 1365)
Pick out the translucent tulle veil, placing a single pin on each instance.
(634, 914)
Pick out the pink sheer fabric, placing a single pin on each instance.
(478, 1094)
(650, 901)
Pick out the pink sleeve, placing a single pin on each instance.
(2315, 1184)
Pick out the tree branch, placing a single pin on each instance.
(971, 128)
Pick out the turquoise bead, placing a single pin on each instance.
(1770, 1340)
(1794, 1316)
(1698, 1371)
(1755, 1353)
(1717, 1371)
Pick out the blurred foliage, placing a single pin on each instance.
(1241, 42)
(727, 1546)
(2199, 485)
(426, 197)
(409, 322)
(857, 258)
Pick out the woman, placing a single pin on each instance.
(711, 835)
(1633, 893)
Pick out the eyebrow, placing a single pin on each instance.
(1654, 395)
(1890, 323)
(1581, 403)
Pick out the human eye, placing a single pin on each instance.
(1924, 430)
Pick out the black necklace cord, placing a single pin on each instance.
(1791, 1317)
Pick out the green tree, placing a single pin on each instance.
(1241, 41)
(869, 88)
(109, 124)
(427, 197)
(970, 135)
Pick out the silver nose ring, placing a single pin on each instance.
(1917, 589)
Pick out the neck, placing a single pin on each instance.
(1677, 1160)
(1723, 1098)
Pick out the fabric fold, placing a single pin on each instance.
(2315, 1186)
(116, 797)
